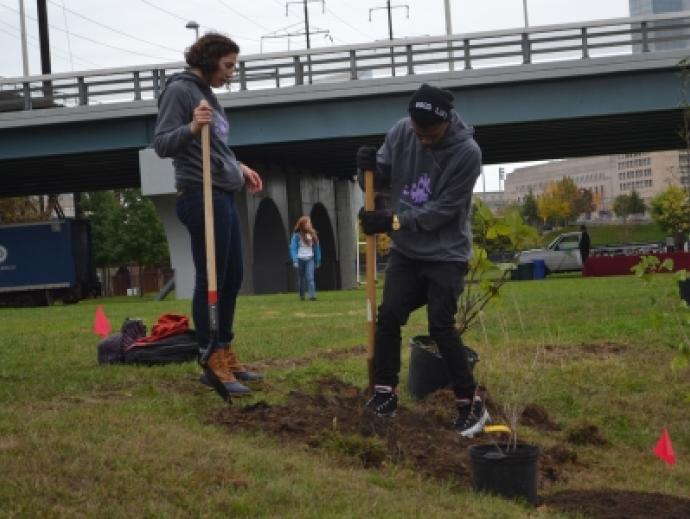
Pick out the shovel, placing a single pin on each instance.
(212, 282)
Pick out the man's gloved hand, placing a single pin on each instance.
(374, 222)
(366, 158)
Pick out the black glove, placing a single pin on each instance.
(366, 158)
(374, 222)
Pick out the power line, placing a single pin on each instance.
(177, 16)
(288, 34)
(165, 11)
(95, 22)
(57, 50)
(243, 16)
(69, 41)
(86, 38)
(368, 36)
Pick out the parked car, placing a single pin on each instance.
(561, 255)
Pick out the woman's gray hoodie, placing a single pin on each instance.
(173, 138)
(431, 190)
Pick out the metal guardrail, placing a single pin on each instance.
(582, 41)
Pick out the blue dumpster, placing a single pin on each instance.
(539, 269)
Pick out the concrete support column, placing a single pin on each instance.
(158, 183)
(347, 203)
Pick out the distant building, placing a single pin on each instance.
(652, 7)
(495, 200)
(606, 176)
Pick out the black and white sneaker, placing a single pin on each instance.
(472, 416)
(384, 402)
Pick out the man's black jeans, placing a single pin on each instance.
(409, 285)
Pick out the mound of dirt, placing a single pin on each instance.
(619, 504)
(332, 417)
(536, 416)
(587, 434)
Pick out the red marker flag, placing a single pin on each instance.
(664, 449)
(101, 325)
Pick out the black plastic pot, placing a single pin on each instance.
(428, 371)
(510, 474)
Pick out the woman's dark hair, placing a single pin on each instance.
(207, 51)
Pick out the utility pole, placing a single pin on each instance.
(284, 33)
(43, 31)
(449, 32)
(390, 8)
(306, 24)
(22, 28)
(524, 10)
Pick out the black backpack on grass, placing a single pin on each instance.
(120, 348)
(111, 350)
(176, 348)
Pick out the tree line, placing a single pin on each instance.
(563, 202)
(125, 228)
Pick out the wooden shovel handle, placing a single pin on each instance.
(208, 212)
(371, 278)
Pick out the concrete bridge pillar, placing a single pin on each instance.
(267, 220)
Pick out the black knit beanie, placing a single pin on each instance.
(430, 106)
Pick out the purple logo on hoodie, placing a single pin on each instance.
(418, 193)
(220, 127)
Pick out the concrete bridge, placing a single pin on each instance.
(298, 117)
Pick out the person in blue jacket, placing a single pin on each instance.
(305, 254)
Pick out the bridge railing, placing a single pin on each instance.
(401, 57)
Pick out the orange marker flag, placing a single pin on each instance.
(101, 325)
(664, 449)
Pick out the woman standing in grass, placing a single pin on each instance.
(181, 116)
(306, 256)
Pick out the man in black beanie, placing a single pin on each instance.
(429, 163)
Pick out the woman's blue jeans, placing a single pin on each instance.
(305, 278)
(190, 211)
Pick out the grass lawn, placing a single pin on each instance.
(81, 440)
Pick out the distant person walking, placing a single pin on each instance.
(584, 244)
(305, 254)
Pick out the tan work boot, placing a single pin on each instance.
(238, 369)
(219, 365)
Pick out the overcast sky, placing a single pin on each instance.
(89, 34)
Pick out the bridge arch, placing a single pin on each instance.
(271, 262)
(327, 277)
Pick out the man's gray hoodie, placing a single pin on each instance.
(431, 190)
(173, 138)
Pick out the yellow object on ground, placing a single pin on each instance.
(497, 429)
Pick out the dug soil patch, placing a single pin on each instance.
(620, 504)
(332, 417)
(577, 352)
